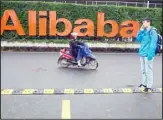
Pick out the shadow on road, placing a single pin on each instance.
(75, 69)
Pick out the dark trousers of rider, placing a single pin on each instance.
(73, 52)
(79, 55)
(76, 54)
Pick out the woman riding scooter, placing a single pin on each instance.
(75, 50)
(79, 54)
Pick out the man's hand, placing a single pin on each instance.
(142, 27)
(149, 58)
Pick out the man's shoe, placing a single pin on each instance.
(147, 89)
(141, 85)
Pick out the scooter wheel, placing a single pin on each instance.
(93, 64)
(63, 62)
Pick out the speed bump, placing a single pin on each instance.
(48, 91)
(107, 90)
(17, 91)
(59, 91)
(98, 91)
(79, 91)
(6, 91)
(127, 90)
(28, 91)
(88, 91)
(119, 90)
(55, 91)
(69, 91)
(38, 92)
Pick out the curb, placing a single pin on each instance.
(91, 45)
(53, 47)
(57, 49)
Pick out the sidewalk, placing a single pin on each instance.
(91, 45)
(57, 46)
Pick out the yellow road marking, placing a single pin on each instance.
(142, 89)
(150, 91)
(88, 91)
(48, 91)
(28, 91)
(69, 91)
(127, 90)
(108, 90)
(66, 113)
(7, 91)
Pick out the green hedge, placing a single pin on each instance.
(74, 12)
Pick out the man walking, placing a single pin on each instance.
(147, 37)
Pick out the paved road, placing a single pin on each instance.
(40, 70)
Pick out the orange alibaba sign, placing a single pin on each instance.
(122, 30)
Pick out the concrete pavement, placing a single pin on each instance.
(147, 106)
(40, 70)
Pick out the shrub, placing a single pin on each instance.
(74, 12)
